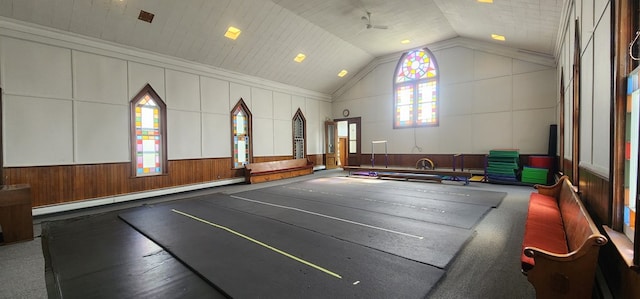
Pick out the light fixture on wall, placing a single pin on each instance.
(405, 41)
(342, 73)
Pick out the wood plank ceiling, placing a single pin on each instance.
(331, 33)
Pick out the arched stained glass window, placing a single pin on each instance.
(415, 102)
(241, 131)
(148, 138)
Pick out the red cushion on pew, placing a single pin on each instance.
(544, 228)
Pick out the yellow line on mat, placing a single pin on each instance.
(312, 265)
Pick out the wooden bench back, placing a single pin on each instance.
(276, 165)
(578, 225)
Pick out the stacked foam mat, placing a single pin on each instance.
(534, 175)
(502, 165)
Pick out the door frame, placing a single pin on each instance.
(330, 157)
(353, 159)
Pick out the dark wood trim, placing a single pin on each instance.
(1, 141)
(623, 65)
(575, 126)
(68, 183)
(623, 282)
(626, 24)
(241, 105)
(147, 89)
(560, 161)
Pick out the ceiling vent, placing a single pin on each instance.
(145, 16)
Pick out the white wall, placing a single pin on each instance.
(66, 101)
(490, 97)
(594, 19)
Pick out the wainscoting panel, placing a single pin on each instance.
(67, 183)
(469, 161)
(595, 191)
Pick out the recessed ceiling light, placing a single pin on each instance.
(342, 73)
(485, 1)
(498, 37)
(300, 57)
(405, 41)
(232, 33)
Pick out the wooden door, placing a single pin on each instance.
(342, 150)
(330, 144)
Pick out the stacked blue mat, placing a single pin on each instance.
(502, 166)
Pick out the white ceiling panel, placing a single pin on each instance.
(332, 33)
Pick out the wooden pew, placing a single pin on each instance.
(561, 243)
(276, 170)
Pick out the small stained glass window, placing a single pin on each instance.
(148, 152)
(416, 90)
(241, 129)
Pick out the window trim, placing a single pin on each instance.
(624, 23)
(241, 105)
(415, 84)
(164, 164)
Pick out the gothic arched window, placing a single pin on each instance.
(148, 133)
(241, 132)
(415, 101)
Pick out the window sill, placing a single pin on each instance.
(623, 245)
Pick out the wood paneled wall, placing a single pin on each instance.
(567, 166)
(67, 183)
(595, 192)
(470, 161)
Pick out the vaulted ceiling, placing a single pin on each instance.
(331, 33)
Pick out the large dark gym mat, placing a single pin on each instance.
(102, 257)
(430, 243)
(235, 251)
(410, 189)
(449, 213)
